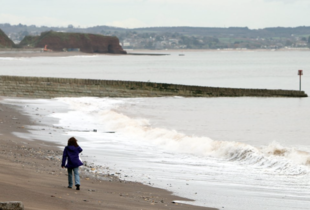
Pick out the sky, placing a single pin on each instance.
(148, 13)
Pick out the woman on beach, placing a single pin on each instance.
(71, 156)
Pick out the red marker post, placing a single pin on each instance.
(300, 73)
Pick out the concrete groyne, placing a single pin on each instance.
(47, 87)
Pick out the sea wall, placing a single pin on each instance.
(40, 87)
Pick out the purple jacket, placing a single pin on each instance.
(72, 153)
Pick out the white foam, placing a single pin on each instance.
(101, 114)
(190, 166)
(10, 58)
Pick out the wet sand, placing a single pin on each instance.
(39, 53)
(30, 172)
(30, 54)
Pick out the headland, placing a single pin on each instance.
(51, 41)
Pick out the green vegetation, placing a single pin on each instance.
(28, 41)
(33, 41)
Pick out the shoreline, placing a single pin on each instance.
(41, 184)
(30, 53)
(217, 50)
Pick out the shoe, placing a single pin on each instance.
(69, 187)
(77, 187)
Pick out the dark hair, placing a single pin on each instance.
(72, 142)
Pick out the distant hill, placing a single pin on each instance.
(199, 31)
(179, 37)
(235, 31)
(5, 41)
(89, 43)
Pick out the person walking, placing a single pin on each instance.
(71, 161)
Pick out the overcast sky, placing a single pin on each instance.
(146, 13)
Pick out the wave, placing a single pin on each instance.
(83, 56)
(10, 58)
(273, 158)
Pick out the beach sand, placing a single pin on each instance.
(30, 172)
(30, 54)
(24, 53)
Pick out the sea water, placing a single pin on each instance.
(236, 153)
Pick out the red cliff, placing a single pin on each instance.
(5, 41)
(89, 43)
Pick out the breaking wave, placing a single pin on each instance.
(9, 58)
(273, 158)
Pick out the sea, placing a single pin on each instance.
(233, 153)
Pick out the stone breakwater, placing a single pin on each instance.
(44, 87)
(13, 205)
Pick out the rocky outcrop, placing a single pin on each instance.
(5, 41)
(89, 43)
(13, 205)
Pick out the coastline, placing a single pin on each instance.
(222, 183)
(213, 50)
(42, 184)
(29, 53)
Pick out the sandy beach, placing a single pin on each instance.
(31, 53)
(31, 173)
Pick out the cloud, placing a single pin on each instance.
(127, 23)
(289, 1)
(159, 20)
(164, 20)
(147, 13)
(39, 21)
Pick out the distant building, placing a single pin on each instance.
(126, 44)
(301, 44)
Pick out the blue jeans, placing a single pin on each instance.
(76, 176)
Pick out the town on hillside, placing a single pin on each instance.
(157, 38)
